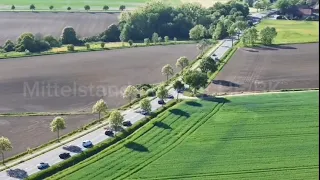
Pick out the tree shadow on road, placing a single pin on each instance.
(136, 147)
(225, 83)
(179, 112)
(162, 125)
(72, 148)
(17, 173)
(193, 103)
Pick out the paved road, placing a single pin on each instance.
(97, 136)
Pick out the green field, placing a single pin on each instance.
(293, 31)
(272, 136)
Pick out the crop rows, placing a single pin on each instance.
(247, 137)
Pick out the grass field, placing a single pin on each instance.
(95, 5)
(271, 136)
(293, 31)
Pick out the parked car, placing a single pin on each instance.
(170, 96)
(87, 144)
(108, 133)
(64, 155)
(138, 96)
(126, 123)
(161, 101)
(42, 165)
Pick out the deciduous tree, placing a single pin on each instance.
(208, 65)
(57, 124)
(87, 7)
(105, 8)
(116, 119)
(100, 107)
(32, 7)
(178, 85)
(167, 70)
(267, 35)
(130, 93)
(198, 32)
(182, 62)
(145, 105)
(5, 145)
(195, 80)
(162, 92)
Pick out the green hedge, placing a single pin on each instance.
(99, 147)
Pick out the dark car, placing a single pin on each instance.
(170, 96)
(42, 165)
(126, 123)
(161, 101)
(144, 112)
(64, 155)
(108, 133)
(138, 96)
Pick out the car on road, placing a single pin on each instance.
(170, 96)
(126, 123)
(109, 133)
(87, 144)
(144, 112)
(161, 101)
(64, 155)
(42, 165)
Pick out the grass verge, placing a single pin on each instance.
(93, 47)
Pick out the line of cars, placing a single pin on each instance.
(66, 155)
(89, 144)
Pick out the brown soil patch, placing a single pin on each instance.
(268, 69)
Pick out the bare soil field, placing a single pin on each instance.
(73, 82)
(88, 75)
(33, 131)
(13, 24)
(268, 69)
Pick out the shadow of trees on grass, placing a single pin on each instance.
(162, 125)
(136, 147)
(179, 112)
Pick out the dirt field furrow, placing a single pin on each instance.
(269, 68)
(74, 82)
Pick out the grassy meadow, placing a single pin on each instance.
(293, 31)
(271, 136)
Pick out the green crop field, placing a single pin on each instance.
(273, 136)
(95, 5)
(293, 31)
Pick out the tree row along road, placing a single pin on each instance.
(97, 136)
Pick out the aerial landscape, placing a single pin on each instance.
(144, 89)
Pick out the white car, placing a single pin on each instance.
(87, 143)
(42, 165)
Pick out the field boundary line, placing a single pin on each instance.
(266, 92)
(176, 143)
